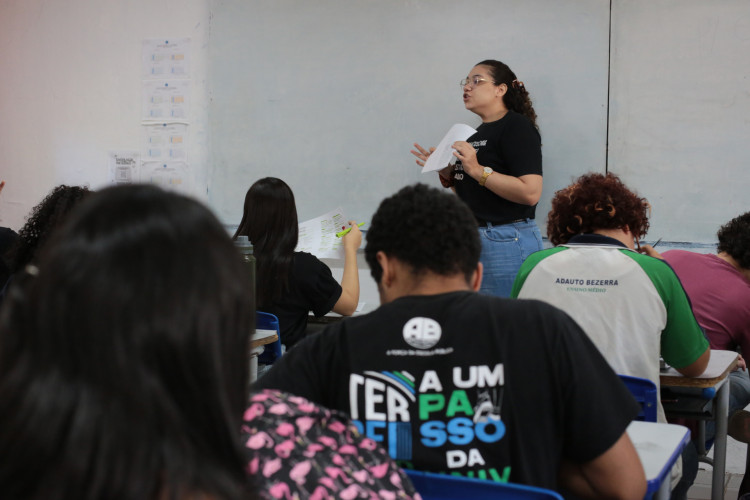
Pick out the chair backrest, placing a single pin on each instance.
(644, 391)
(433, 486)
(268, 321)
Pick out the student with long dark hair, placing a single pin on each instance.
(291, 284)
(124, 357)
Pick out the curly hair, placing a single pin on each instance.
(734, 239)
(46, 216)
(427, 229)
(596, 201)
(517, 97)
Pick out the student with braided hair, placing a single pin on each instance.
(498, 171)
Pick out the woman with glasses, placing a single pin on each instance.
(498, 171)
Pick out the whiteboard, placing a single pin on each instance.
(679, 111)
(329, 95)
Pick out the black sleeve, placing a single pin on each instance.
(598, 406)
(319, 286)
(522, 148)
(308, 369)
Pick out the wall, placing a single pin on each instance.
(71, 90)
(334, 106)
(680, 111)
(330, 95)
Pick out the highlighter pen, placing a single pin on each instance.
(342, 233)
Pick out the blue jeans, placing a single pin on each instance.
(504, 248)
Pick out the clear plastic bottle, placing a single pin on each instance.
(245, 248)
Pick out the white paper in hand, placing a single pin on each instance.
(443, 154)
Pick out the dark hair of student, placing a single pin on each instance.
(734, 239)
(427, 229)
(124, 357)
(44, 217)
(596, 201)
(517, 97)
(269, 220)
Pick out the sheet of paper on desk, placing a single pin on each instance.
(318, 236)
(443, 154)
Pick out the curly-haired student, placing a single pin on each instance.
(631, 305)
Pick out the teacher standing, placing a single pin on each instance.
(498, 171)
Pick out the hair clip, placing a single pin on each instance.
(518, 84)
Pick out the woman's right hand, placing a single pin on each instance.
(352, 239)
(422, 154)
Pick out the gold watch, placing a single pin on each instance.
(487, 172)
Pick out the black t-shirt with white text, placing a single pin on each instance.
(465, 384)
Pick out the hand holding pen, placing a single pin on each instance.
(345, 230)
(649, 250)
(351, 237)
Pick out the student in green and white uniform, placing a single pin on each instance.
(631, 305)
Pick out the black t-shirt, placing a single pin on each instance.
(311, 288)
(511, 146)
(466, 383)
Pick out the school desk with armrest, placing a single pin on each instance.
(704, 398)
(659, 447)
(265, 341)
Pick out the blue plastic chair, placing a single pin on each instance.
(644, 391)
(272, 352)
(444, 487)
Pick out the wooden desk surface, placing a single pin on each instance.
(719, 366)
(263, 337)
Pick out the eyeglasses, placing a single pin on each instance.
(472, 82)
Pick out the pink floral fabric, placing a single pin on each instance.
(297, 449)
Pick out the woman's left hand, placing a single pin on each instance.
(468, 156)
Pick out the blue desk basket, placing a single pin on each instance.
(644, 391)
(272, 352)
(444, 487)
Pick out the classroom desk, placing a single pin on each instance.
(659, 446)
(714, 385)
(258, 340)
